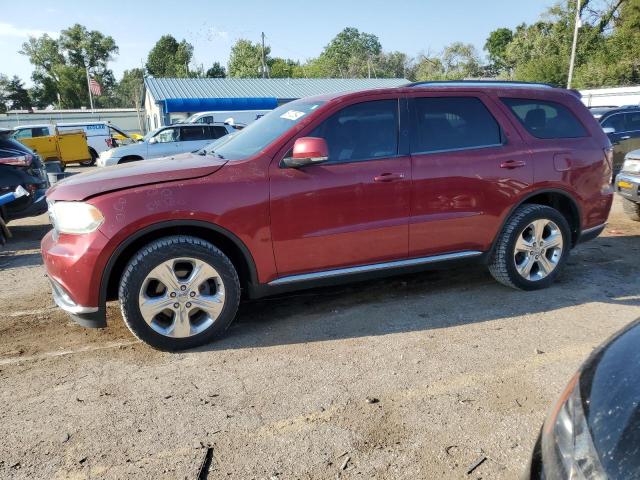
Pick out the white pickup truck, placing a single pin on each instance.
(101, 136)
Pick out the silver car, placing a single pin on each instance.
(164, 142)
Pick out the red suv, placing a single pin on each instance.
(331, 188)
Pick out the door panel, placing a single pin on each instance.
(329, 216)
(352, 210)
(460, 194)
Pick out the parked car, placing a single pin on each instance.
(628, 185)
(101, 136)
(55, 146)
(622, 126)
(20, 166)
(593, 432)
(597, 112)
(242, 117)
(329, 189)
(164, 142)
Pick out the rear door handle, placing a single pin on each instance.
(388, 177)
(513, 164)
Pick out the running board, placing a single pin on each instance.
(373, 267)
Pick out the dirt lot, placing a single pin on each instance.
(461, 368)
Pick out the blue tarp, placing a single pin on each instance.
(212, 104)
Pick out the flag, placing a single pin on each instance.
(95, 87)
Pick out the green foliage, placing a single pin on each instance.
(168, 58)
(245, 60)
(130, 88)
(350, 53)
(216, 71)
(59, 67)
(496, 47)
(16, 95)
(4, 82)
(282, 67)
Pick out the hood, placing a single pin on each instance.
(133, 148)
(144, 172)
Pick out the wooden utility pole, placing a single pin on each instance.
(264, 67)
(574, 45)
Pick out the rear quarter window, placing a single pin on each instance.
(545, 119)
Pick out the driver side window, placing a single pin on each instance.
(364, 131)
(167, 135)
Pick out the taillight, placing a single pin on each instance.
(109, 142)
(17, 161)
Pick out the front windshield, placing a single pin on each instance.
(262, 132)
(151, 134)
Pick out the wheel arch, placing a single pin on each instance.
(130, 158)
(561, 200)
(223, 239)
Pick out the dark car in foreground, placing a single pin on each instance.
(329, 189)
(622, 126)
(20, 166)
(593, 432)
(627, 185)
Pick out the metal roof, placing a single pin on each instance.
(280, 88)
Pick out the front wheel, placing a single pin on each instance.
(532, 248)
(632, 209)
(179, 292)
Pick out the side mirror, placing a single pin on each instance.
(153, 140)
(609, 130)
(308, 151)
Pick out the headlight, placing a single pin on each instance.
(631, 165)
(567, 447)
(74, 217)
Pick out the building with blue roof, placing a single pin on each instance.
(169, 100)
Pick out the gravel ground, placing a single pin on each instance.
(410, 377)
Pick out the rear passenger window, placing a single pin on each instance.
(544, 119)
(632, 121)
(364, 131)
(217, 131)
(453, 123)
(194, 133)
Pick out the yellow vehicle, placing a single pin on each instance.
(68, 146)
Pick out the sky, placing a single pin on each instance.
(294, 29)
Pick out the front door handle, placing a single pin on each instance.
(513, 164)
(388, 177)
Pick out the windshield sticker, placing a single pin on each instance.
(292, 115)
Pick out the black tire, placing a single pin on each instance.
(94, 157)
(129, 160)
(632, 209)
(502, 264)
(154, 254)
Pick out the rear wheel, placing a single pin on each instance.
(179, 292)
(94, 157)
(532, 248)
(632, 209)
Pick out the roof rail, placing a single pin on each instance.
(478, 83)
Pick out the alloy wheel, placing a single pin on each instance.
(538, 249)
(181, 297)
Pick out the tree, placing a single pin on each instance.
(4, 81)
(350, 53)
(460, 61)
(168, 58)
(245, 60)
(282, 67)
(130, 87)
(60, 66)
(392, 65)
(16, 95)
(496, 47)
(216, 71)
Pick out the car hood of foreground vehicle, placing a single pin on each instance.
(144, 172)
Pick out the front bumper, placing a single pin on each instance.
(628, 186)
(107, 161)
(74, 265)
